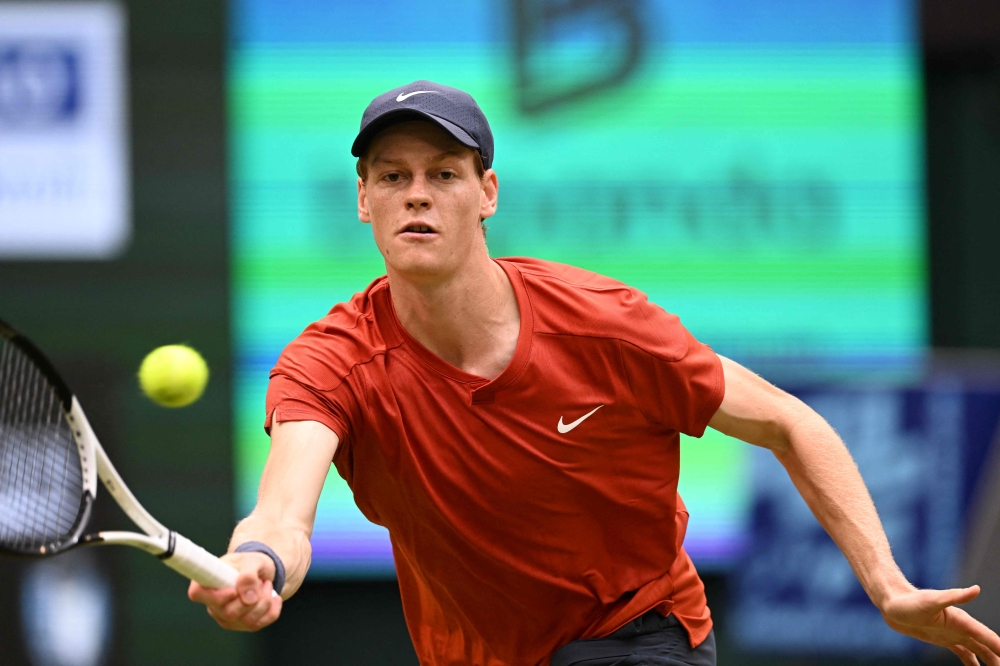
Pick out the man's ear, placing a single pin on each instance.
(491, 190)
(363, 213)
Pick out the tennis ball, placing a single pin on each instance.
(173, 375)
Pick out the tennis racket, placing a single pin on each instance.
(50, 461)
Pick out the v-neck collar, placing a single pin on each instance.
(483, 390)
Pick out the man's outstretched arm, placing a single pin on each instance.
(297, 465)
(825, 474)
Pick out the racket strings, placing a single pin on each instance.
(41, 482)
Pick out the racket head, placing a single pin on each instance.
(47, 487)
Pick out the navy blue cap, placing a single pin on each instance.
(452, 109)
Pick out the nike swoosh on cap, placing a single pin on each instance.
(401, 97)
(564, 428)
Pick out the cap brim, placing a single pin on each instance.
(401, 115)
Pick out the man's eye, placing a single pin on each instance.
(392, 177)
(447, 175)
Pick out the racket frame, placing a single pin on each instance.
(175, 550)
(96, 464)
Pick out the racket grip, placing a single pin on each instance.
(194, 562)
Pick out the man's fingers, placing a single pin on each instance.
(238, 612)
(236, 609)
(248, 585)
(271, 615)
(965, 654)
(263, 605)
(982, 634)
(220, 619)
(238, 617)
(249, 588)
(984, 653)
(253, 615)
(208, 595)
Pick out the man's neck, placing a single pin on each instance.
(471, 320)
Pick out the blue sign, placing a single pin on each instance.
(797, 593)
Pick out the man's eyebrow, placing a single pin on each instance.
(437, 158)
(386, 160)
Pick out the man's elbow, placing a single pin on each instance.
(790, 417)
(798, 425)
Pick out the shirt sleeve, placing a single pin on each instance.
(292, 401)
(676, 380)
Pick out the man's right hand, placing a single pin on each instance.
(249, 606)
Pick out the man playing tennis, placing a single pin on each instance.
(514, 424)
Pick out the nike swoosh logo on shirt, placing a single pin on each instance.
(564, 428)
(401, 97)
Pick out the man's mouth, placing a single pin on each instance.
(418, 229)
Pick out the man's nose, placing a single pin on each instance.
(417, 196)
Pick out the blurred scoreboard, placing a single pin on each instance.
(754, 166)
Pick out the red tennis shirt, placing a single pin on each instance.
(532, 509)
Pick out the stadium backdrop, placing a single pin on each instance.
(753, 165)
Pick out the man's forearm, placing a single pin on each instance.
(828, 479)
(825, 474)
(289, 543)
(290, 487)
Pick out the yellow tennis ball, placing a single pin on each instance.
(173, 375)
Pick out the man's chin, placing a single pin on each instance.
(419, 268)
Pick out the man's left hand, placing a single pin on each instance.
(931, 616)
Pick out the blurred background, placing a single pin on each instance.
(813, 187)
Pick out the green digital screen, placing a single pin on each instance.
(754, 167)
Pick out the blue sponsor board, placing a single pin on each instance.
(64, 173)
(920, 452)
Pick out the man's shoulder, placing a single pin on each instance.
(354, 318)
(563, 277)
(328, 350)
(567, 300)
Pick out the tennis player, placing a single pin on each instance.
(514, 423)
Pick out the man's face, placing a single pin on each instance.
(424, 200)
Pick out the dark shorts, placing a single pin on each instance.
(650, 640)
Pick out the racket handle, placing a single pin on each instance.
(194, 562)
